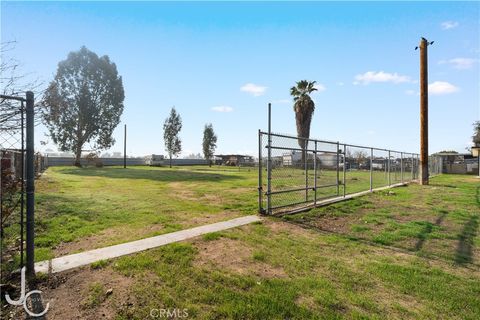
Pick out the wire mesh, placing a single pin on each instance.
(12, 188)
(296, 172)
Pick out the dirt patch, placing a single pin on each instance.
(69, 293)
(235, 256)
(203, 219)
(285, 227)
(181, 192)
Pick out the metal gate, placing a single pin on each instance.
(16, 184)
(291, 177)
(296, 173)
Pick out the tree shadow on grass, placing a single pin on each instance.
(168, 175)
(422, 236)
(465, 246)
(478, 196)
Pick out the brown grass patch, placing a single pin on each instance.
(234, 256)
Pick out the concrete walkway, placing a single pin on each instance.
(88, 257)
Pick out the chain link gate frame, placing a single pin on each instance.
(324, 172)
(17, 164)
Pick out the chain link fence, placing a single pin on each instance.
(293, 178)
(12, 190)
(18, 167)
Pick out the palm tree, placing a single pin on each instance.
(303, 107)
(476, 135)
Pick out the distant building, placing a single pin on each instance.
(154, 159)
(234, 159)
(291, 158)
(453, 162)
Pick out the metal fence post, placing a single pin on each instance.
(371, 169)
(401, 167)
(315, 174)
(388, 167)
(269, 161)
(338, 168)
(30, 189)
(413, 166)
(260, 184)
(22, 184)
(125, 148)
(344, 170)
(306, 169)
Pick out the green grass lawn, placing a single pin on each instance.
(287, 178)
(85, 208)
(410, 254)
(439, 220)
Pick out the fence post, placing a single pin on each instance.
(344, 170)
(315, 174)
(371, 169)
(125, 148)
(260, 185)
(306, 169)
(338, 168)
(30, 189)
(269, 161)
(401, 167)
(22, 185)
(388, 168)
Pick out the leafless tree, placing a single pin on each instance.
(13, 82)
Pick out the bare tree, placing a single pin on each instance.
(13, 82)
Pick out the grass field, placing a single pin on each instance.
(80, 208)
(287, 178)
(410, 254)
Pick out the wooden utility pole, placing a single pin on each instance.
(423, 111)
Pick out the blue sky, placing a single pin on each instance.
(223, 62)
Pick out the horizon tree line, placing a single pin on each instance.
(85, 100)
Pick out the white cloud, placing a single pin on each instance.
(381, 76)
(222, 109)
(460, 63)
(320, 87)
(371, 132)
(410, 92)
(441, 87)
(340, 83)
(446, 25)
(253, 89)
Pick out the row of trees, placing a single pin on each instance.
(173, 143)
(84, 102)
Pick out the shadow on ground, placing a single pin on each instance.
(465, 243)
(428, 229)
(465, 246)
(168, 175)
